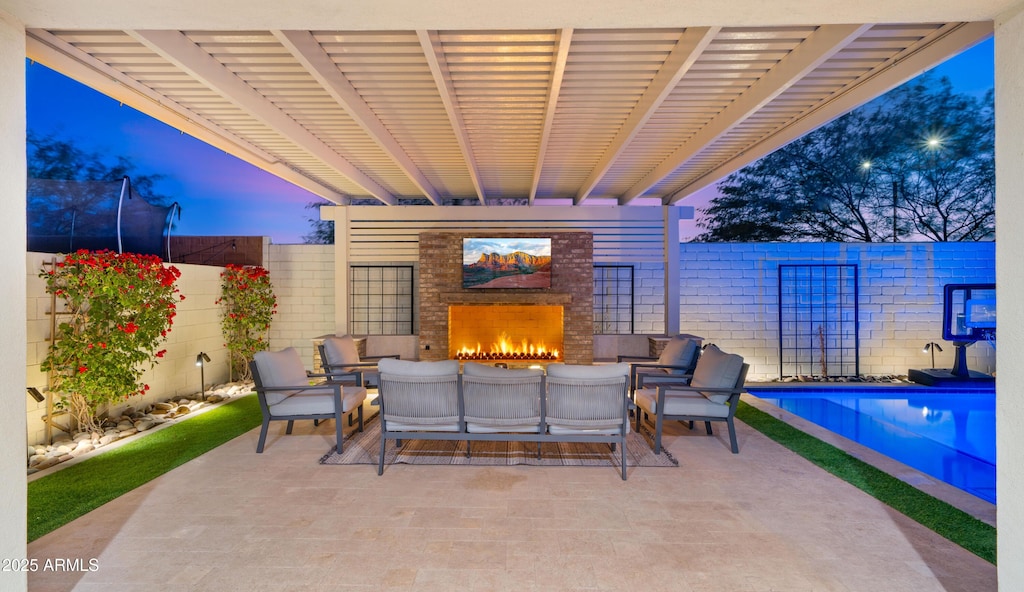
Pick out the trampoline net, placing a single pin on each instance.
(64, 216)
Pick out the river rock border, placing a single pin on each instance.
(131, 422)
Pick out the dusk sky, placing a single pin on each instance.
(221, 195)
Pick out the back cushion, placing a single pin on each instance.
(474, 369)
(411, 368)
(678, 351)
(717, 369)
(581, 371)
(341, 350)
(282, 368)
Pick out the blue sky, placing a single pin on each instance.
(221, 195)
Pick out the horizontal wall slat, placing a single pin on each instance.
(621, 234)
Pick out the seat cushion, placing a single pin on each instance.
(679, 351)
(411, 368)
(475, 369)
(610, 430)
(478, 428)
(401, 426)
(717, 369)
(586, 371)
(689, 404)
(281, 368)
(319, 401)
(341, 350)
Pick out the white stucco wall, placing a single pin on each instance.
(1009, 246)
(12, 294)
(196, 329)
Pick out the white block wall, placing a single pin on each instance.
(649, 298)
(196, 328)
(303, 279)
(729, 296)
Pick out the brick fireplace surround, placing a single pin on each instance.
(572, 287)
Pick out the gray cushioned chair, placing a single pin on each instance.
(340, 358)
(420, 397)
(673, 366)
(589, 401)
(712, 395)
(285, 394)
(502, 400)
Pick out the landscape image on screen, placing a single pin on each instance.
(506, 263)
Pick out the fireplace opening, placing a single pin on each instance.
(505, 332)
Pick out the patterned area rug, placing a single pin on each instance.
(363, 448)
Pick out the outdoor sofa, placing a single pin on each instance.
(568, 403)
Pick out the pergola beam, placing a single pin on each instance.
(818, 47)
(175, 47)
(687, 49)
(950, 40)
(561, 56)
(305, 48)
(431, 43)
(45, 48)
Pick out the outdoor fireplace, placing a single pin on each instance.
(505, 332)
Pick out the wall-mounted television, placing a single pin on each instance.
(506, 263)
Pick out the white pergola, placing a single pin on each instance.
(583, 102)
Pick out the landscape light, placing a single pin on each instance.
(931, 347)
(201, 361)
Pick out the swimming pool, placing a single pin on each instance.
(947, 433)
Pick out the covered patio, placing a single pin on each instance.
(218, 72)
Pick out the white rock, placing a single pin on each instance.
(82, 436)
(127, 433)
(144, 424)
(107, 439)
(83, 448)
(125, 425)
(49, 462)
(182, 410)
(63, 449)
(36, 459)
(31, 451)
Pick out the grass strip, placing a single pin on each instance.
(950, 522)
(59, 498)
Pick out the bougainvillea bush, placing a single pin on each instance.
(119, 309)
(249, 305)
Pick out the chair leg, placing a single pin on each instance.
(622, 450)
(469, 448)
(658, 421)
(538, 450)
(288, 430)
(732, 437)
(263, 434)
(316, 422)
(339, 431)
(350, 419)
(380, 461)
(360, 413)
(707, 426)
(691, 424)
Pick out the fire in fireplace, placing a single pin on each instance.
(505, 349)
(505, 332)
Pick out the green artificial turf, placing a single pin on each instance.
(948, 521)
(59, 498)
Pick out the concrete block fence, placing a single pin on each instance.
(728, 295)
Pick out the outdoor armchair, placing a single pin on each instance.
(285, 394)
(673, 366)
(712, 395)
(340, 359)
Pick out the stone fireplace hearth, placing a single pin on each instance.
(572, 280)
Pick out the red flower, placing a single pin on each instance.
(161, 353)
(129, 328)
(83, 369)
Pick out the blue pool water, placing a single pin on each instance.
(949, 434)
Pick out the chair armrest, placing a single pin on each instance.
(351, 365)
(381, 357)
(629, 358)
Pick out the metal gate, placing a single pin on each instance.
(818, 320)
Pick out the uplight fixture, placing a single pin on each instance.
(931, 347)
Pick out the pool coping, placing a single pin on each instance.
(966, 502)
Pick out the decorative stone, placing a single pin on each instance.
(47, 463)
(82, 436)
(31, 451)
(144, 424)
(163, 406)
(36, 459)
(128, 432)
(107, 439)
(83, 448)
(182, 410)
(63, 449)
(214, 399)
(65, 457)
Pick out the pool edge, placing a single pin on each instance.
(966, 502)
